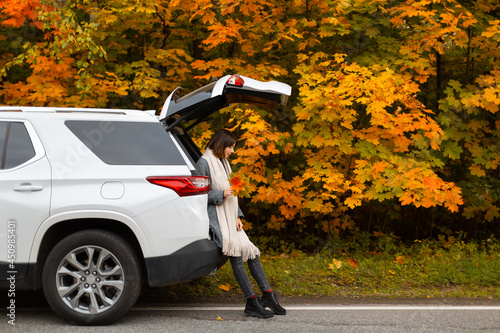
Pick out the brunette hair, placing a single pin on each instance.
(220, 141)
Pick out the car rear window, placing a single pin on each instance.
(127, 143)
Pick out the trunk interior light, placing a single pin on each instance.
(183, 186)
(236, 80)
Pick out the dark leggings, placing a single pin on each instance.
(242, 277)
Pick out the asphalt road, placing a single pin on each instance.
(304, 315)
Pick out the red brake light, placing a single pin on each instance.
(236, 80)
(183, 185)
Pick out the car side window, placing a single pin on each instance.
(15, 145)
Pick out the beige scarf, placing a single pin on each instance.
(234, 243)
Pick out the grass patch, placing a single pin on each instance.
(450, 268)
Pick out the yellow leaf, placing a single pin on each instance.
(476, 170)
(336, 263)
(315, 205)
(353, 201)
(225, 287)
(392, 272)
(219, 318)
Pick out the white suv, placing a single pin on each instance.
(96, 202)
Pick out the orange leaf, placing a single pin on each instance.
(225, 287)
(236, 183)
(354, 263)
(399, 260)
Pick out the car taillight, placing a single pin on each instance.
(236, 80)
(183, 185)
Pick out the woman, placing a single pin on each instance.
(226, 228)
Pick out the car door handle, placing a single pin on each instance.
(28, 188)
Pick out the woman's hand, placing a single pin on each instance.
(239, 225)
(227, 192)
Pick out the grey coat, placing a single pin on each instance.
(215, 197)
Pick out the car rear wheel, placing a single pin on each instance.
(92, 277)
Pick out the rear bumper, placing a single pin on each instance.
(191, 262)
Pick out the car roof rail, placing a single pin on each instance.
(47, 109)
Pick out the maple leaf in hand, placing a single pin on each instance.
(238, 185)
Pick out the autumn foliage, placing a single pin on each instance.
(393, 126)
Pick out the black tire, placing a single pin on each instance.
(92, 292)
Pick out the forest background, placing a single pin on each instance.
(392, 130)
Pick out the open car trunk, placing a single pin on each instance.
(196, 106)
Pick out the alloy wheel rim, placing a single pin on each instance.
(90, 279)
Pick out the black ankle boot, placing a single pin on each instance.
(270, 300)
(255, 308)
